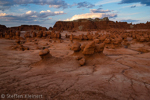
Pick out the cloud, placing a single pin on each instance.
(133, 6)
(6, 4)
(84, 4)
(99, 10)
(55, 6)
(29, 16)
(129, 20)
(47, 13)
(106, 2)
(91, 15)
(2, 14)
(145, 2)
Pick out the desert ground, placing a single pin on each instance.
(76, 68)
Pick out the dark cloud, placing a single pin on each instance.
(85, 4)
(114, 16)
(99, 10)
(129, 20)
(146, 2)
(6, 4)
(100, 5)
(133, 6)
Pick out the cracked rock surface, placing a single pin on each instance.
(120, 74)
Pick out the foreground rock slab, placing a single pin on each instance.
(115, 74)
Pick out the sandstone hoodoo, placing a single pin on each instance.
(99, 48)
(45, 54)
(28, 28)
(76, 47)
(89, 48)
(82, 61)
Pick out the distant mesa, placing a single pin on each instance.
(80, 25)
(97, 24)
(3, 28)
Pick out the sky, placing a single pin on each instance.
(46, 12)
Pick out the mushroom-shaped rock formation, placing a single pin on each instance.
(90, 37)
(40, 34)
(18, 33)
(85, 37)
(66, 36)
(33, 34)
(99, 48)
(102, 38)
(107, 41)
(27, 35)
(44, 34)
(71, 38)
(58, 35)
(89, 48)
(83, 46)
(18, 41)
(97, 41)
(1, 34)
(44, 54)
(82, 62)
(76, 47)
(141, 39)
(80, 37)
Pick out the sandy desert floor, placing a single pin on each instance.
(115, 74)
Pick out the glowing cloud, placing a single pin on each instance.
(3, 14)
(91, 15)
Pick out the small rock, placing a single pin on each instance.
(82, 62)
(44, 53)
(79, 57)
